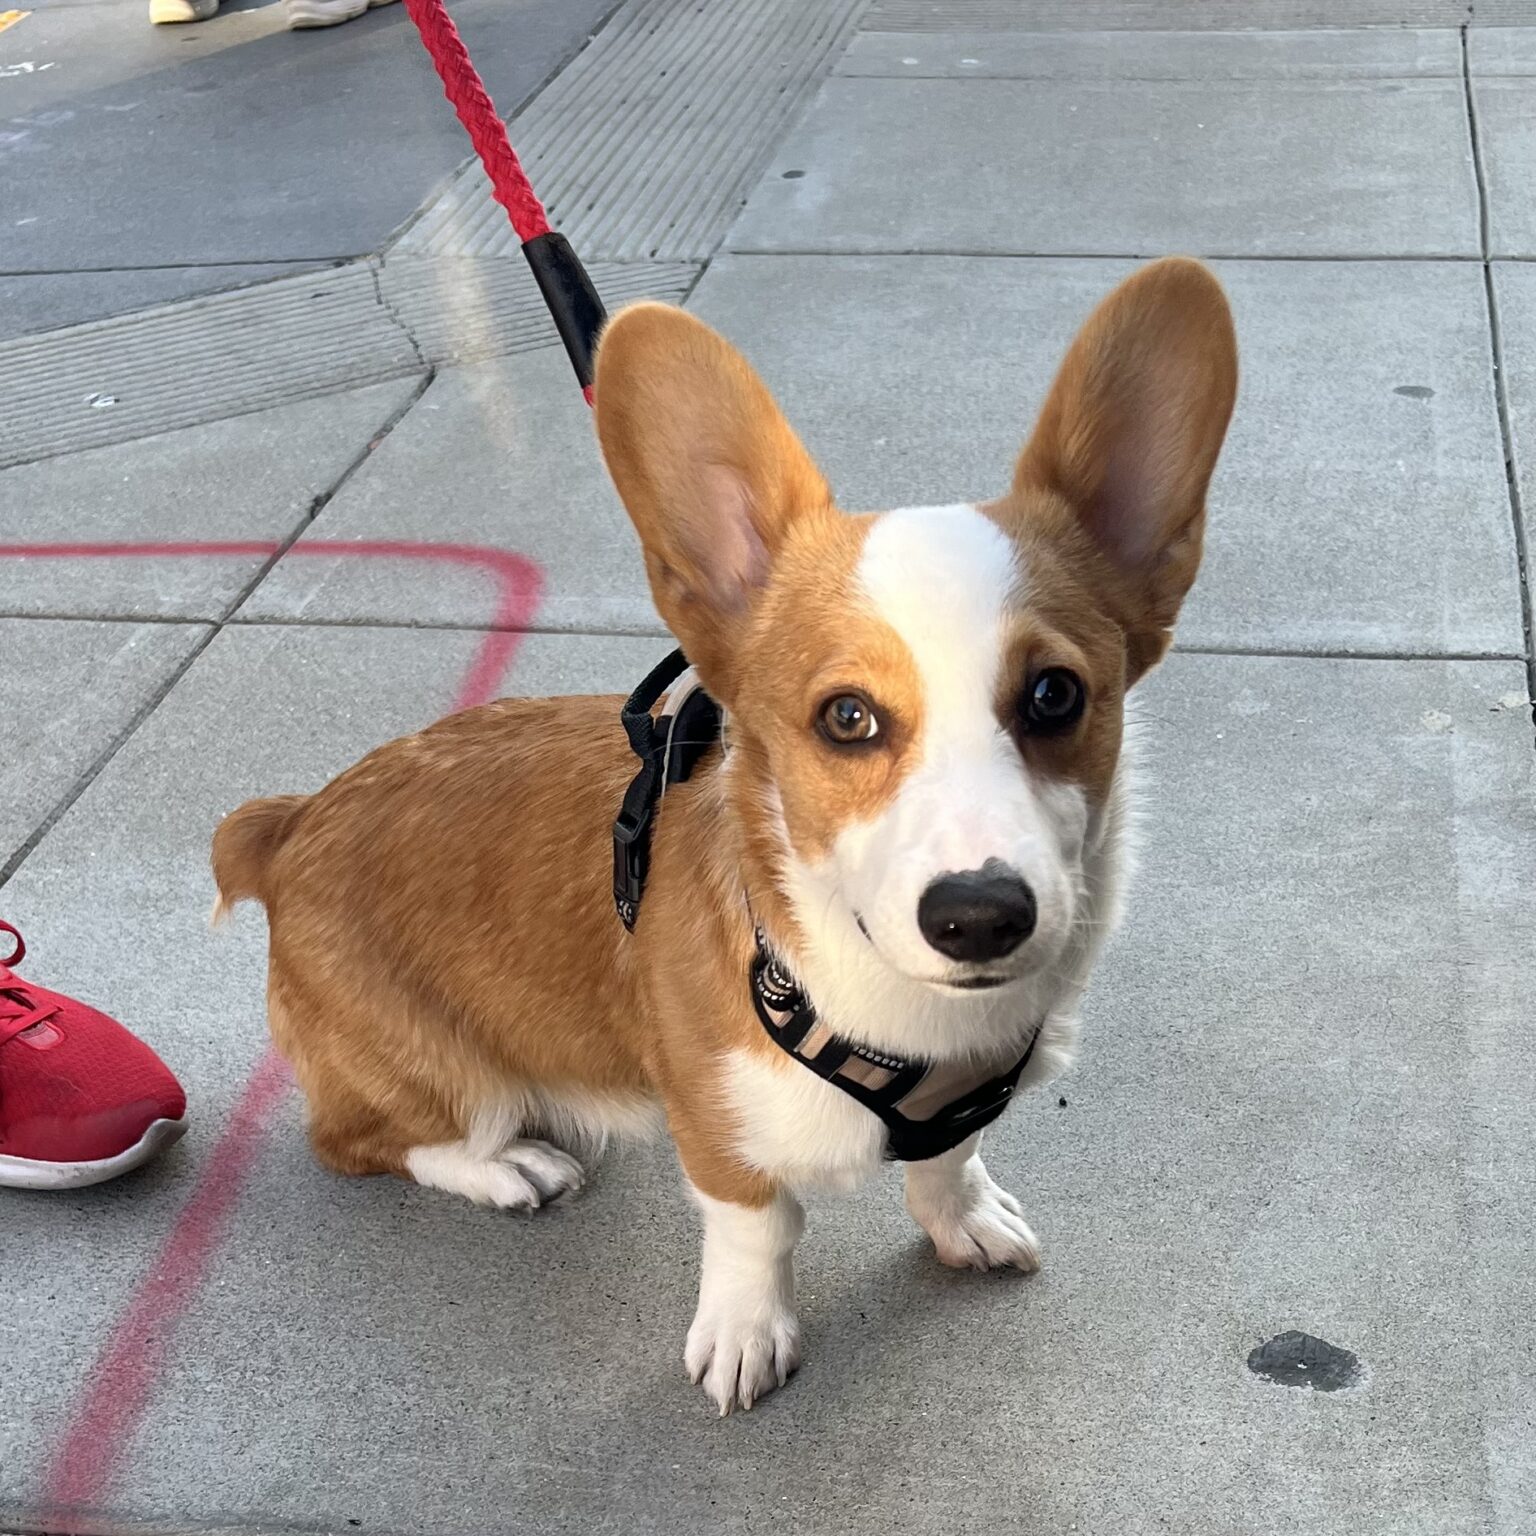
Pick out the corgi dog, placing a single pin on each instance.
(869, 888)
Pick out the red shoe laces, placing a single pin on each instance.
(19, 1009)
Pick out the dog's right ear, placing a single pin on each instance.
(712, 475)
(1129, 436)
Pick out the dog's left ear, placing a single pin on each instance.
(1130, 433)
(710, 472)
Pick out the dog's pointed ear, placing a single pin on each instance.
(1130, 433)
(710, 472)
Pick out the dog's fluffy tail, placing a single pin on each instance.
(243, 848)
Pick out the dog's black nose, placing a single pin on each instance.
(979, 914)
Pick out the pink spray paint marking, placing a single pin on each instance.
(122, 1382)
(518, 584)
(120, 1386)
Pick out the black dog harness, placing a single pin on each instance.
(669, 749)
(927, 1107)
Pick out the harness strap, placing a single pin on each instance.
(927, 1107)
(669, 748)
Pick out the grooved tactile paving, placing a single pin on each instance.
(1188, 15)
(645, 146)
(463, 308)
(180, 365)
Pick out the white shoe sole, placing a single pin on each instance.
(326, 13)
(29, 1173)
(162, 12)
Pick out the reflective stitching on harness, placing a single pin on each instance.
(928, 1108)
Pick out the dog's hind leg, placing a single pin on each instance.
(493, 1165)
(490, 1164)
(385, 1097)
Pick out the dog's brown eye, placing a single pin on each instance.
(848, 719)
(1052, 702)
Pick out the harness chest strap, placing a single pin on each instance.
(928, 1108)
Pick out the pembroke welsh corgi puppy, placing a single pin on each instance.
(870, 901)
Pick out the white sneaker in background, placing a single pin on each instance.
(163, 11)
(324, 13)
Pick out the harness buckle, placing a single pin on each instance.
(632, 846)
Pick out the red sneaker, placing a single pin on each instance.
(81, 1100)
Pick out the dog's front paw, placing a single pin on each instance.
(975, 1223)
(739, 1359)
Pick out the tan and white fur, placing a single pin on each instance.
(448, 977)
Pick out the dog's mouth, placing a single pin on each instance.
(983, 983)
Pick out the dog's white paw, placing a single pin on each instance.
(738, 1359)
(991, 1233)
(521, 1177)
(551, 1172)
(974, 1223)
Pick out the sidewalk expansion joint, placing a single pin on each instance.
(657, 631)
(210, 632)
(105, 756)
(1500, 385)
(321, 501)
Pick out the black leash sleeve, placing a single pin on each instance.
(573, 302)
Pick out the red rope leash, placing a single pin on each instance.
(466, 91)
(573, 302)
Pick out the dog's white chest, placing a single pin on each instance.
(799, 1129)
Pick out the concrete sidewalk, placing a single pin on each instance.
(361, 487)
